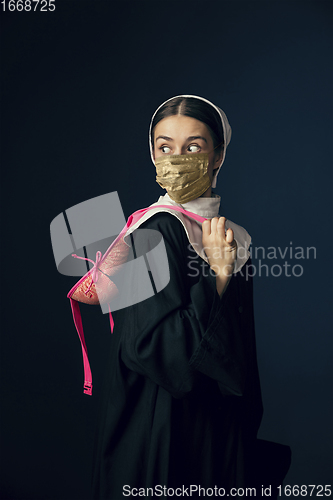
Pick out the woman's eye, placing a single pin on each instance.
(163, 148)
(195, 150)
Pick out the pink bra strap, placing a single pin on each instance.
(79, 328)
(111, 319)
(75, 305)
(78, 323)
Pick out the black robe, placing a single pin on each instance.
(182, 402)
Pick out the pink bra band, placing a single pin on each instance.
(94, 271)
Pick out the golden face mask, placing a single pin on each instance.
(185, 177)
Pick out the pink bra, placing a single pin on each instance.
(85, 289)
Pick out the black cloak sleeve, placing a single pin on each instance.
(186, 328)
(181, 401)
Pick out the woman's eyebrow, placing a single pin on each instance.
(191, 138)
(194, 137)
(165, 137)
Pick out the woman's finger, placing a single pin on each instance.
(229, 236)
(221, 227)
(206, 228)
(214, 222)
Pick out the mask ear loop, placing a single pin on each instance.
(222, 142)
(219, 145)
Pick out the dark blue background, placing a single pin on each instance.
(78, 88)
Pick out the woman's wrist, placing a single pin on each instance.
(222, 280)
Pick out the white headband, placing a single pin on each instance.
(225, 126)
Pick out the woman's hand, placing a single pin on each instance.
(221, 250)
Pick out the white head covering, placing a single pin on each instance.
(225, 126)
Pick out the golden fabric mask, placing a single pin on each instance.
(185, 177)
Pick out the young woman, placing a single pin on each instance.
(182, 401)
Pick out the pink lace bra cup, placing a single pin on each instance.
(95, 287)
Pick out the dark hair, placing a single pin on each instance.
(194, 108)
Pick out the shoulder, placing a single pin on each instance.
(164, 220)
(169, 226)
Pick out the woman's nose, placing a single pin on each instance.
(178, 150)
